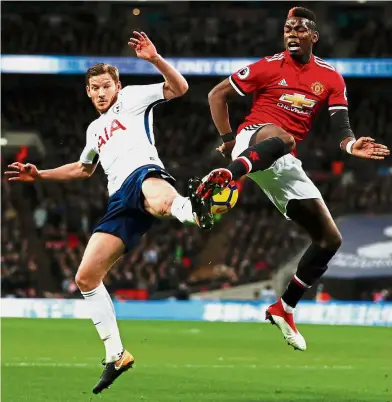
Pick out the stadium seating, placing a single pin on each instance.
(240, 29)
(46, 226)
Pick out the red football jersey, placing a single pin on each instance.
(289, 94)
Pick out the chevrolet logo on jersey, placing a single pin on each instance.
(298, 100)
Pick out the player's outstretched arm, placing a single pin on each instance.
(363, 147)
(28, 172)
(175, 85)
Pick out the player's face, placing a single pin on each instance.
(103, 91)
(299, 36)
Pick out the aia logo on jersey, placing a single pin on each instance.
(317, 88)
(108, 133)
(244, 73)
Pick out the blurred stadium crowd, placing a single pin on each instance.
(45, 226)
(190, 28)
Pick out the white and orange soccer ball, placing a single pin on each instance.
(224, 200)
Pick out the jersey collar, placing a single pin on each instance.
(298, 66)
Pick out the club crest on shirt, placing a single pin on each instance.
(243, 73)
(117, 107)
(317, 88)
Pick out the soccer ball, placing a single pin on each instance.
(225, 199)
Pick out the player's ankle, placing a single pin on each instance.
(239, 167)
(86, 286)
(181, 208)
(114, 356)
(286, 307)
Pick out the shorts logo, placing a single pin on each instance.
(117, 107)
(317, 88)
(244, 73)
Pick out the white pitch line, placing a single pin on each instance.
(181, 366)
(47, 364)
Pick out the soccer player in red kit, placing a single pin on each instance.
(288, 90)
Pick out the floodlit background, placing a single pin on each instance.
(45, 226)
(252, 251)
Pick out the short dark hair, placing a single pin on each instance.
(303, 12)
(102, 68)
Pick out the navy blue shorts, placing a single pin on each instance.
(126, 217)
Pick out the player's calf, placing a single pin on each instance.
(101, 253)
(311, 267)
(261, 155)
(159, 195)
(162, 200)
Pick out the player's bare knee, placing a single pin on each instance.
(289, 141)
(271, 131)
(332, 241)
(287, 138)
(81, 280)
(158, 196)
(84, 282)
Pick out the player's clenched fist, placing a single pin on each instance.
(143, 46)
(22, 172)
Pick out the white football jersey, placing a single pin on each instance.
(123, 136)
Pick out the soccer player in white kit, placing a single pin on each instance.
(140, 189)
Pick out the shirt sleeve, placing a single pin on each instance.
(89, 155)
(250, 78)
(144, 95)
(338, 95)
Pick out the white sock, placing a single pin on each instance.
(287, 308)
(182, 209)
(104, 319)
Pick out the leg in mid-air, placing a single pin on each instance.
(102, 251)
(162, 200)
(313, 216)
(266, 145)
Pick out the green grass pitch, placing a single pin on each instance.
(59, 361)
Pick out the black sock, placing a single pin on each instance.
(258, 157)
(311, 267)
(294, 292)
